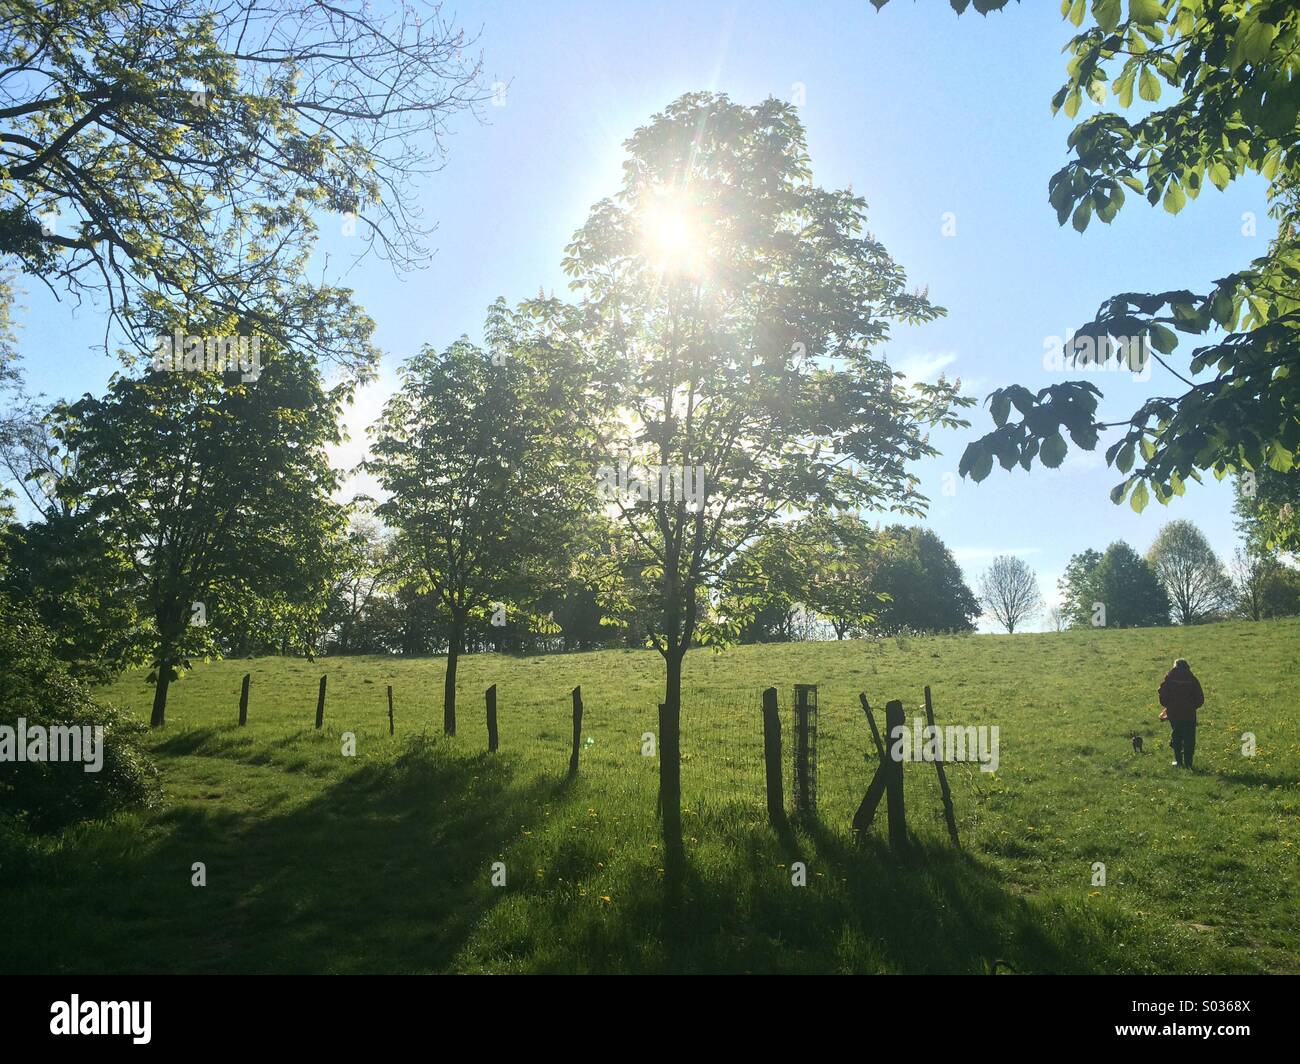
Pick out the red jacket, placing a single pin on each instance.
(1181, 694)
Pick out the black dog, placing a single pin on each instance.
(1137, 742)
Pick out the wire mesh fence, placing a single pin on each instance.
(723, 772)
(722, 750)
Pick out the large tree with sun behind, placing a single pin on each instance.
(742, 308)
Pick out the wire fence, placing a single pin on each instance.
(723, 772)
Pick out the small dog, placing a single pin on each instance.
(1137, 743)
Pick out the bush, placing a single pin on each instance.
(35, 685)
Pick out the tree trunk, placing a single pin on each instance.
(160, 695)
(670, 762)
(454, 641)
(168, 641)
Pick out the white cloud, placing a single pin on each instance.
(367, 404)
(925, 365)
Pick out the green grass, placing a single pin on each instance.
(382, 861)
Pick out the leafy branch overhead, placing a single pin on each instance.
(1233, 70)
(165, 154)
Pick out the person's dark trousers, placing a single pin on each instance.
(1183, 741)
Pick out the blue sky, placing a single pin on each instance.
(931, 117)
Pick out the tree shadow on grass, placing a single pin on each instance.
(386, 870)
(864, 909)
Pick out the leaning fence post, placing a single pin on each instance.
(320, 704)
(577, 730)
(949, 814)
(492, 717)
(894, 719)
(772, 757)
(390, 709)
(866, 811)
(243, 700)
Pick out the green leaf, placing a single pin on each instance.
(1138, 501)
(1174, 198)
(1000, 407)
(1254, 38)
(1146, 12)
(1124, 460)
(1224, 308)
(1107, 14)
(1162, 339)
(1082, 215)
(1124, 87)
(1111, 204)
(1053, 451)
(1149, 86)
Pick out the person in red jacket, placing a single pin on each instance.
(1181, 695)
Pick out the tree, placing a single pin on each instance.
(1268, 510)
(573, 600)
(365, 566)
(839, 585)
(1009, 591)
(1233, 113)
(82, 587)
(163, 153)
(766, 583)
(815, 567)
(1265, 587)
(1191, 573)
(214, 490)
(1127, 591)
(923, 584)
(1058, 619)
(1076, 604)
(65, 564)
(487, 457)
(742, 308)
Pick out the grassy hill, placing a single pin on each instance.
(382, 862)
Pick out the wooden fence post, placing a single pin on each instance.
(772, 757)
(895, 718)
(243, 700)
(320, 704)
(577, 730)
(492, 717)
(949, 814)
(390, 709)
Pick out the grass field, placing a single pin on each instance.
(382, 862)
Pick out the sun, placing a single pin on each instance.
(672, 236)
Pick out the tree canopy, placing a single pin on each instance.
(1233, 112)
(1121, 591)
(157, 154)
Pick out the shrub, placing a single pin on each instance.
(35, 685)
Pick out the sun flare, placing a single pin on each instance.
(672, 235)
